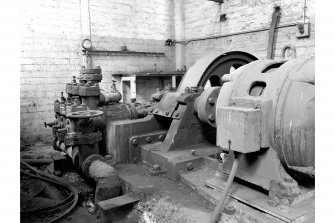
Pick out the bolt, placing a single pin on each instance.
(211, 101)
(284, 208)
(211, 118)
(193, 152)
(189, 166)
(284, 201)
(301, 28)
(229, 209)
(177, 114)
(167, 113)
(134, 142)
(194, 89)
(148, 139)
(156, 167)
(168, 87)
(161, 138)
(288, 180)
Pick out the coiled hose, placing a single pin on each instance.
(69, 203)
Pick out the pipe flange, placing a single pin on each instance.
(85, 167)
(90, 77)
(206, 105)
(96, 70)
(75, 139)
(84, 114)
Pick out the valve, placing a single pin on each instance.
(113, 87)
(62, 97)
(50, 124)
(74, 79)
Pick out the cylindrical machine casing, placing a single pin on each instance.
(291, 88)
(106, 97)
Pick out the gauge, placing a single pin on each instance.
(86, 44)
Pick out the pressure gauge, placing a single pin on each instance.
(86, 44)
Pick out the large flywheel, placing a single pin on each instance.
(212, 67)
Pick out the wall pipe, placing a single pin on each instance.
(304, 12)
(180, 36)
(233, 34)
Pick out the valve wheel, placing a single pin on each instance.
(85, 114)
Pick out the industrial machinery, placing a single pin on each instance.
(231, 116)
(79, 125)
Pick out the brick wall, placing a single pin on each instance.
(202, 20)
(50, 55)
(140, 25)
(51, 52)
(52, 33)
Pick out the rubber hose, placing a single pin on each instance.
(58, 181)
(232, 174)
(46, 209)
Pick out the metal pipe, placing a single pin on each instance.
(304, 12)
(180, 36)
(234, 34)
(115, 52)
(106, 97)
(94, 167)
(225, 192)
(37, 162)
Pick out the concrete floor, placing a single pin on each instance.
(162, 200)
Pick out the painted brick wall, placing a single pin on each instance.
(202, 20)
(51, 52)
(50, 55)
(140, 25)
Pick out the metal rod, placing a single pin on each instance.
(274, 21)
(37, 162)
(234, 34)
(109, 52)
(232, 174)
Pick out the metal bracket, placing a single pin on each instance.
(136, 142)
(303, 30)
